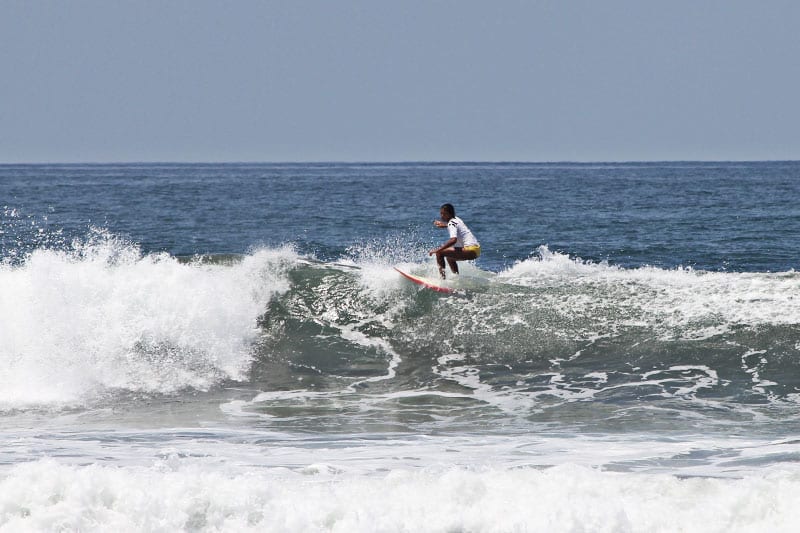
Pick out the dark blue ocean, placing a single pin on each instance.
(227, 347)
(711, 216)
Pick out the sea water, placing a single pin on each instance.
(229, 348)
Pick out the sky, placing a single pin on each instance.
(350, 80)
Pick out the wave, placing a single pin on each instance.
(547, 300)
(100, 317)
(549, 331)
(680, 302)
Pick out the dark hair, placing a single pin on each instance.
(450, 209)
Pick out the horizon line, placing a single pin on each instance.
(400, 162)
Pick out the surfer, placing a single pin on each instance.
(462, 244)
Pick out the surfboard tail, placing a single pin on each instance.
(426, 283)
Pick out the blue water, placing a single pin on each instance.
(714, 216)
(228, 347)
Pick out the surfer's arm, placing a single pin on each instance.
(440, 223)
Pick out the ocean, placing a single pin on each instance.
(227, 347)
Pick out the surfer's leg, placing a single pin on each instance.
(453, 265)
(440, 262)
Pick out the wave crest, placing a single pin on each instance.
(101, 316)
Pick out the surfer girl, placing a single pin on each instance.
(462, 244)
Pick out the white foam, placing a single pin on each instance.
(102, 316)
(197, 495)
(682, 301)
(351, 334)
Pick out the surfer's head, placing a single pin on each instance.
(447, 211)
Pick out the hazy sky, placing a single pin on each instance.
(347, 80)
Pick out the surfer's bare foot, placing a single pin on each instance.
(441, 273)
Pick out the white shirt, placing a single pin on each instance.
(460, 231)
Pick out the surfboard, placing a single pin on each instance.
(434, 285)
